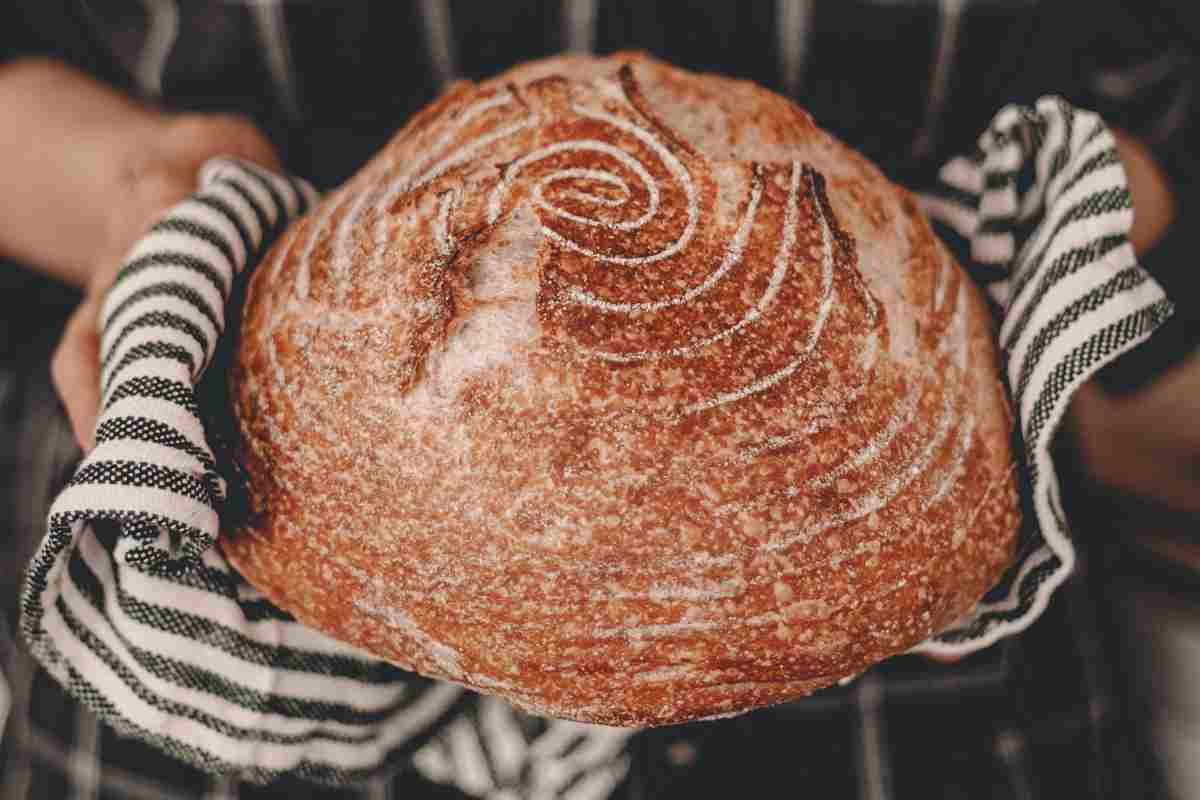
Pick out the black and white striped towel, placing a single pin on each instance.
(1040, 214)
(131, 607)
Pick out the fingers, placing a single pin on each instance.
(75, 370)
(239, 137)
(195, 138)
(1145, 443)
(1153, 198)
(164, 175)
(944, 660)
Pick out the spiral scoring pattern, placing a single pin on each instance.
(607, 189)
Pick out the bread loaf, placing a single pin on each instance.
(625, 393)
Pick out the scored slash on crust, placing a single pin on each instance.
(384, 185)
(381, 192)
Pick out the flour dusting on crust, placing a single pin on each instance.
(626, 393)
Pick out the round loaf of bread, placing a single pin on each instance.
(625, 393)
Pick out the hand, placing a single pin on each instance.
(164, 174)
(1146, 443)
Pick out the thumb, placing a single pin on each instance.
(75, 371)
(197, 137)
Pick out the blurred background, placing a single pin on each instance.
(1098, 699)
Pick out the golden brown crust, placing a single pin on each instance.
(625, 393)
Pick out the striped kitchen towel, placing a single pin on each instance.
(1040, 215)
(132, 608)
